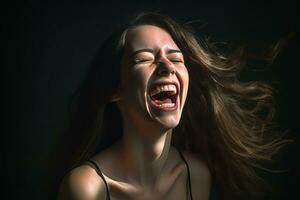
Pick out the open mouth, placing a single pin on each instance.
(164, 96)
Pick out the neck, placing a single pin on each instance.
(144, 153)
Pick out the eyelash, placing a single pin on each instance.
(142, 61)
(176, 61)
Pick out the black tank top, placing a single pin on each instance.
(106, 185)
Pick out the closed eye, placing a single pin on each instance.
(143, 61)
(176, 58)
(176, 61)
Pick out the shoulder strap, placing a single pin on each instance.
(101, 175)
(188, 172)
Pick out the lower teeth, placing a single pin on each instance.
(167, 105)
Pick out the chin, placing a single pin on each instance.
(168, 122)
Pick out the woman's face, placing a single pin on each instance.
(154, 79)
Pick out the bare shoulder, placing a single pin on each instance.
(82, 183)
(198, 167)
(200, 175)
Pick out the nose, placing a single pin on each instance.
(165, 67)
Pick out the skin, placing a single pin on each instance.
(143, 165)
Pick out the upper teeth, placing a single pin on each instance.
(163, 88)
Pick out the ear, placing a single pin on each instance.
(116, 97)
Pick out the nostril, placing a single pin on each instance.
(164, 68)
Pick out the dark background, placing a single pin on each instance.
(48, 45)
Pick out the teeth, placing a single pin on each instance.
(167, 105)
(164, 88)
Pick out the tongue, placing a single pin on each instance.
(166, 100)
(163, 97)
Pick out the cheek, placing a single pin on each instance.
(184, 76)
(134, 84)
(185, 79)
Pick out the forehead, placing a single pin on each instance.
(149, 36)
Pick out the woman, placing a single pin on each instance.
(188, 126)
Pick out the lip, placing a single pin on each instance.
(165, 83)
(166, 108)
(157, 83)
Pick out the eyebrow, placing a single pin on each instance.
(170, 51)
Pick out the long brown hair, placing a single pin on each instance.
(225, 121)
